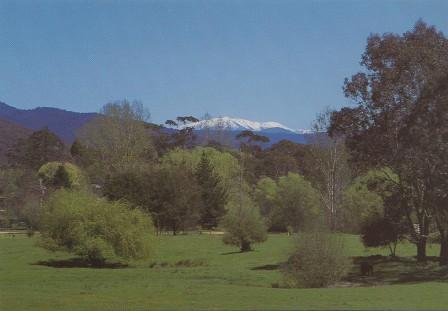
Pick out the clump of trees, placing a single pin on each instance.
(289, 202)
(183, 190)
(93, 228)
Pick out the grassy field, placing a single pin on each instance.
(195, 272)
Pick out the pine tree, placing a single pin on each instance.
(213, 195)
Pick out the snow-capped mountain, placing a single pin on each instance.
(238, 124)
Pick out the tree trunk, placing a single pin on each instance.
(443, 258)
(421, 250)
(245, 246)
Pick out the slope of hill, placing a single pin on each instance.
(62, 122)
(10, 134)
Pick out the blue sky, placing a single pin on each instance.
(262, 60)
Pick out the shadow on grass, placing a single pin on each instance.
(237, 252)
(79, 263)
(267, 267)
(398, 270)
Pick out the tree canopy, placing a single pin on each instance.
(400, 72)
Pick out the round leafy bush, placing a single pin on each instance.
(94, 228)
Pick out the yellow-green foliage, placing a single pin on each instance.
(92, 227)
(290, 202)
(243, 224)
(359, 201)
(76, 177)
(225, 165)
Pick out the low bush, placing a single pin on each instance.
(244, 226)
(94, 228)
(318, 260)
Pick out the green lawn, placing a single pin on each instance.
(219, 278)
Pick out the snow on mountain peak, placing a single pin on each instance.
(240, 124)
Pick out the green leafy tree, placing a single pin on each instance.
(398, 70)
(213, 194)
(21, 196)
(298, 201)
(243, 224)
(176, 196)
(380, 231)
(131, 186)
(427, 140)
(118, 137)
(282, 158)
(289, 203)
(225, 165)
(93, 228)
(265, 195)
(360, 200)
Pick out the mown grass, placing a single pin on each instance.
(195, 272)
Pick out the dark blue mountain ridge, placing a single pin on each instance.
(61, 122)
(274, 137)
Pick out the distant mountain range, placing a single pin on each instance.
(61, 122)
(273, 130)
(237, 124)
(17, 123)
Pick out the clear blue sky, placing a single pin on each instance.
(262, 60)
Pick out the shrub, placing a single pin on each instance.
(244, 225)
(379, 231)
(93, 228)
(317, 261)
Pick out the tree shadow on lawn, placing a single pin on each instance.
(237, 252)
(398, 270)
(386, 271)
(267, 267)
(79, 263)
